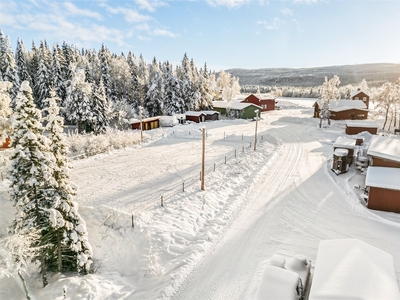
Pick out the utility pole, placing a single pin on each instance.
(203, 156)
(141, 126)
(255, 135)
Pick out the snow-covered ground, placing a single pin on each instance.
(211, 244)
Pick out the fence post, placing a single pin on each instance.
(183, 186)
(214, 167)
(133, 224)
(250, 144)
(225, 159)
(162, 201)
(262, 136)
(242, 148)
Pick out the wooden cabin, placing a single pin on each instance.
(360, 95)
(195, 116)
(358, 126)
(383, 186)
(237, 110)
(265, 104)
(384, 151)
(344, 110)
(346, 143)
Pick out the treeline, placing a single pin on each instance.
(100, 89)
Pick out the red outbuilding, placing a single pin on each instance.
(266, 104)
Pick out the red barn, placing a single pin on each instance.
(147, 123)
(195, 116)
(266, 104)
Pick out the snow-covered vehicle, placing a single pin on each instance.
(283, 279)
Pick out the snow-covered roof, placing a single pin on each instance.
(341, 152)
(210, 112)
(353, 269)
(355, 92)
(384, 147)
(194, 113)
(382, 177)
(134, 121)
(362, 123)
(343, 105)
(344, 142)
(233, 105)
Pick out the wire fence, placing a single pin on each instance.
(160, 197)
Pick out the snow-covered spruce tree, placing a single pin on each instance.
(31, 175)
(105, 58)
(57, 77)
(71, 250)
(5, 111)
(33, 63)
(43, 80)
(100, 108)
(21, 61)
(79, 102)
(154, 97)
(329, 92)
(205, 90)
(8, 67)
(173, 102)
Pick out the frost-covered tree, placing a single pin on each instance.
(105, 58)
(329, 93)
(43, 80)
(385, 100)
(100, 108)
(173, 102)
(228, 85)
(70, 249)
(8, 67)
(5, 111)
(57, 77)
(205, 90)
(31, 174)
(155, 94)
(79, 107)
(21, 61)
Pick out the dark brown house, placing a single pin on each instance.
(348, 144)
(358, 126)
(265, 104)
(360, 95)
(195, 116)
(147, 123)
(384, 152)
(211, 115)
(383, 186)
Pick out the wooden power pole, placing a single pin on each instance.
(203, 157)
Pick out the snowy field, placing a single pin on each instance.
(212, 244)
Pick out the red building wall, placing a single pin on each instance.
(384, 199)
(361, 96)
(357, 130)
(380, 162)
(351, 114)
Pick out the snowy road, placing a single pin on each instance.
(294, 206)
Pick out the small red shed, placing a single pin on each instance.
(358, 126)
(383, 186)
(147, 123)
(195, 116)
(384, 151)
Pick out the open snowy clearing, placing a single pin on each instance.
(211, 244)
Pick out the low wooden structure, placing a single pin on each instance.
(384, 151)
(265, 104)
(358, 126)
(147, 123)
(346, 143)
(340, 161)
(383, 186)
(236, 109)
(211, 115)
(195, 116)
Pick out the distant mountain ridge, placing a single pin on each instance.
(374, 74)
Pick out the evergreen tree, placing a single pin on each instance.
(56, 74)
(173, 103)
(70, 250)
(79, 103)
(8, 67)
(5, 111)
(105, 58)
(33, 63)
(31, 175)
(205, 90)
(154, 97)
(43, 82)
(21, 61)
(100, 108)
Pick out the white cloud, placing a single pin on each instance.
(162, 32)
(72, 9)
(274, 24)
(150, 5)
(227, 3)
(287, 12)
(131, 16)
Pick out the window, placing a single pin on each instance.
(356, 98)
(364, 99)
(360, 115)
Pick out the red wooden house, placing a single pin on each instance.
(360, 95)
(266, 104)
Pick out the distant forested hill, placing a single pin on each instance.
(374, 74)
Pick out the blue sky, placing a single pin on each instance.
(224, 33)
